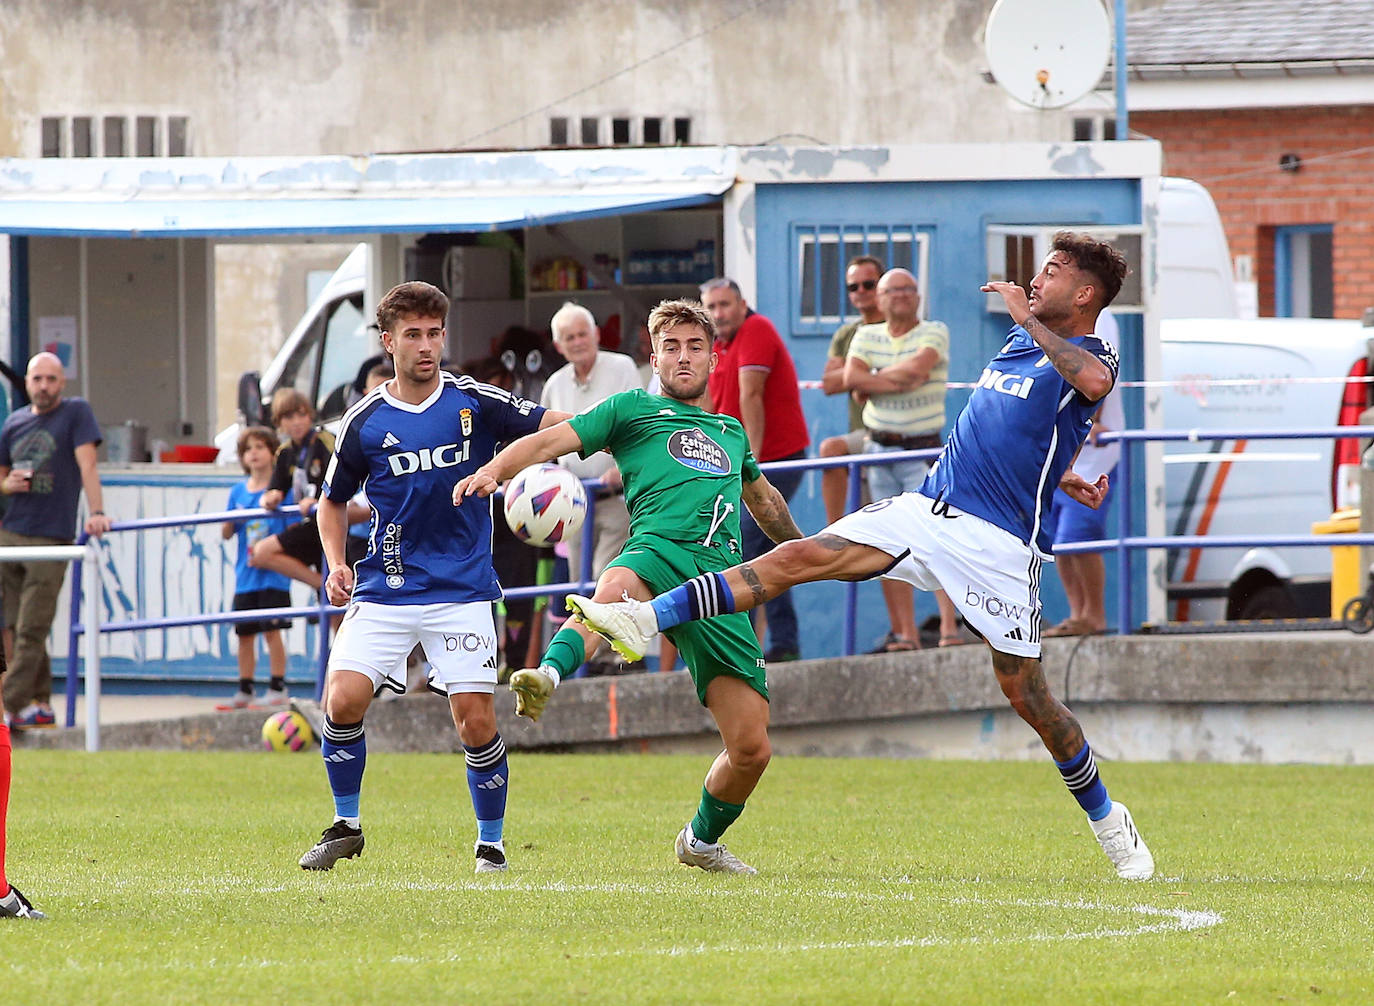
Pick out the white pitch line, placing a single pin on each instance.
(1166, 920)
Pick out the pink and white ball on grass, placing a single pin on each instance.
(545, 504)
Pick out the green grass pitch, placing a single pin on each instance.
(172, 878)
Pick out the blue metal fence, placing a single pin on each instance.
(1124, 545)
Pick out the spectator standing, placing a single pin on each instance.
(902, 366)
(47, 457)
(755, 381)
(861, 283)
(257, 588)
(299, 468)
(1084, 574)
(590, 376)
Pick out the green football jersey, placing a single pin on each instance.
(683, 468)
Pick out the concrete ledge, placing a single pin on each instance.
(818, 695)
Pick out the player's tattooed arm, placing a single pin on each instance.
(1082, 369)
(755, 585)
(769, 510)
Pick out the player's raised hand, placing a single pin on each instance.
(1018, 304)
(339, 586)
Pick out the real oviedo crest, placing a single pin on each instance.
(699, 452)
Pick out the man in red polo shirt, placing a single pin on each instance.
(756, 382)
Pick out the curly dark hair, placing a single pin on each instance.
(416, 299)
(1099, 259)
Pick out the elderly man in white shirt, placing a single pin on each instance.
(591, 376)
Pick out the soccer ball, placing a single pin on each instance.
(286, 731)
(545, 504)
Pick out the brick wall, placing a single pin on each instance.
(1235, 154)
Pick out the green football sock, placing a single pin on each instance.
(566, 653)
(713, 817)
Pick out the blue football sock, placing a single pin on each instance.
(703, 596)
(488, 774)
(1080, 775)
(344, 747)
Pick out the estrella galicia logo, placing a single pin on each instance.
(694, 449)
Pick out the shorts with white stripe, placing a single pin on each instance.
(992, 576)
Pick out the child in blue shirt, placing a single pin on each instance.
(257, 588)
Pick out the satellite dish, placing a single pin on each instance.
(1048, 53)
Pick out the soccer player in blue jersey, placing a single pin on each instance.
(976, 527)
(427, 576)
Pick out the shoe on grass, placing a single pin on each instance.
(339, 841)
(1123, 845)
(15, 906)
(712, 858)
(490, 858)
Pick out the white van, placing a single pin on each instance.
(320, 357)
(1195, 275)
(1260, 487)
(324, 354)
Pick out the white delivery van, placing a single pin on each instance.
(1195, 275)
(1244, 486)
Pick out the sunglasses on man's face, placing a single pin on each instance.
(867, 284)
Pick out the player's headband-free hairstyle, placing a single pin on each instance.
(671, 313)
(414, 299)
(1099, 259)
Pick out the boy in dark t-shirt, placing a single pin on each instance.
(300, 466)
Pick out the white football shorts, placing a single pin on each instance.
(992, 576)
(459, 641)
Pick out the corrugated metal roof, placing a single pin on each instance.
(1187, 32)
(170, 197)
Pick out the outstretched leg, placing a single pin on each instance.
(1022, 680)
(630, 625)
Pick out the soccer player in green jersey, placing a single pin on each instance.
(686, 472)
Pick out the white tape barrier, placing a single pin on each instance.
(90, 556)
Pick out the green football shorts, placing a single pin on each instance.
(712, 646)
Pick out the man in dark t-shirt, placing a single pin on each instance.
(47, 457)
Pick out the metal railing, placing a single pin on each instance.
(1123, 545)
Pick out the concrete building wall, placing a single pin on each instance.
(355, 76)
(155, 298)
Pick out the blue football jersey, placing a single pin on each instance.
(1015, 438)
(422, 549)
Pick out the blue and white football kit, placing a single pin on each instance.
(979, 526)
(427, 576)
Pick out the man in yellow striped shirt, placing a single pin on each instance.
(902, 365)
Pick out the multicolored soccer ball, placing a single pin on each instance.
(545, 504)
(286, 731)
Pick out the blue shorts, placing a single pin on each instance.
(1075, 522)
